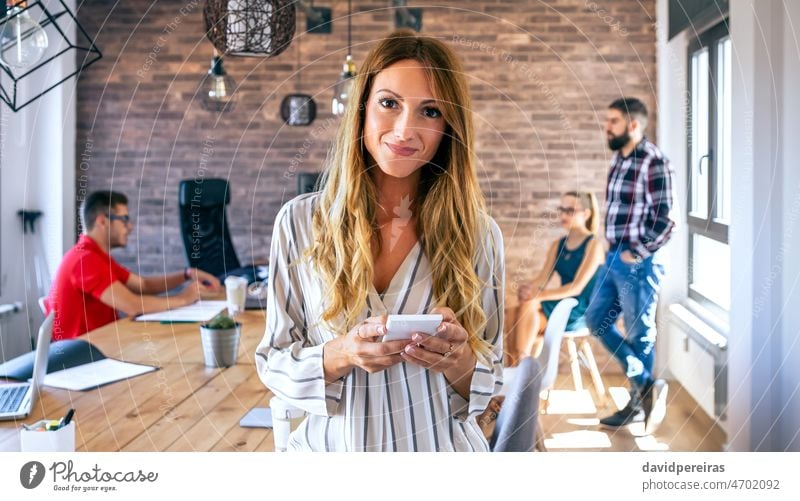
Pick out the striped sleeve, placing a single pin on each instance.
(487, 379)
(285, 360)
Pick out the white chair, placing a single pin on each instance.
(586, 356)
(518, 428)
(549, 357)
(551, 346)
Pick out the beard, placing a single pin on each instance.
(617, 142)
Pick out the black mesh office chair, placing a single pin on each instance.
(308, 182)
(204, 228)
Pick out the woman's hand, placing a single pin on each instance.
(528, 291)
(628, 257)
(447, 352)
(361, 347)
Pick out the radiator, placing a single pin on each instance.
(698, 360)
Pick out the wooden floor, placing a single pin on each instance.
(572, 422)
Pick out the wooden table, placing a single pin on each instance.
(185, 406)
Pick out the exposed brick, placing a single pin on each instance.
(540, 83)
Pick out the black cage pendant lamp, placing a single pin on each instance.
(250, 27)
(344, 87)
(33, 61)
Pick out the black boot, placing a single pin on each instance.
(630, 414)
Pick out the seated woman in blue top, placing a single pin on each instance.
(575, 258)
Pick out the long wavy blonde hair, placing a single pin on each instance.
(451, 214)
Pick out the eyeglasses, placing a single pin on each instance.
(125, 219)
(569, 211)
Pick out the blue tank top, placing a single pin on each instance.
(568, 261)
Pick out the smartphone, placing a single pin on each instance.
(400, 327)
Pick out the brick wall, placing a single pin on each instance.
(541, 72)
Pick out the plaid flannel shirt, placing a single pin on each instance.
(639, 199)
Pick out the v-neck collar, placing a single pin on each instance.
(395, 283)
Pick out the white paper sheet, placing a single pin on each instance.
(88, 376)
(201, 311)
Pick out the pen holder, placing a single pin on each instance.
(60, 440)
(220, 346)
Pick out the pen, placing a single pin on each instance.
(66, 419)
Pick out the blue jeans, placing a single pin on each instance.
(630, 289)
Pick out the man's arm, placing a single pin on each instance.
(163, 283)
(658, 182)
(155, 284)
(119, 297)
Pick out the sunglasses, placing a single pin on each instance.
(569, 211)
(125, 219)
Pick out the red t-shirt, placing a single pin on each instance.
(85, 272)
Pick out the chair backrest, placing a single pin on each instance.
(308, 182)
(204, 226)
(515, 429)
(553, 333)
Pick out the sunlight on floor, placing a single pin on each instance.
(583, 421)
(619, 395)
(650, 443)
(581, 439)
(570, 402)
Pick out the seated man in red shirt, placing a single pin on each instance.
(90, 287)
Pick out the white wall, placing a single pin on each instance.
(37, 166)
(763, 372)
(672, 110)
(763, 346)
(789, 399)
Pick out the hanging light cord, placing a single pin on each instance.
(297, 68)
(349, 18)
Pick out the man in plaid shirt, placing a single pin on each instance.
(638, 203)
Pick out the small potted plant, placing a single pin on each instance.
(220, 338)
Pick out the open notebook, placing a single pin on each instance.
(74, 364)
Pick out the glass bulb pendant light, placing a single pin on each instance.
(22, 40)
(344, 87)
(217, 88)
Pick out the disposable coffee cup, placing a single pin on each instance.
(60, 440)
(235, 293)
(285, 419)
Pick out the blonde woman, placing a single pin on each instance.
(575, 258)
(399, 227)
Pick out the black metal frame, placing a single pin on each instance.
(709, 226)
(93, 54)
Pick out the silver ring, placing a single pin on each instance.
(448, 352)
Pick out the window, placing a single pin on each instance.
(709, 156)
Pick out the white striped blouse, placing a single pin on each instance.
(402, 408)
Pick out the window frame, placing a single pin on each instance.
(710, 226)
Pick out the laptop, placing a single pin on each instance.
(17, 399)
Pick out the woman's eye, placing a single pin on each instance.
(388, 103)
(432, 112)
